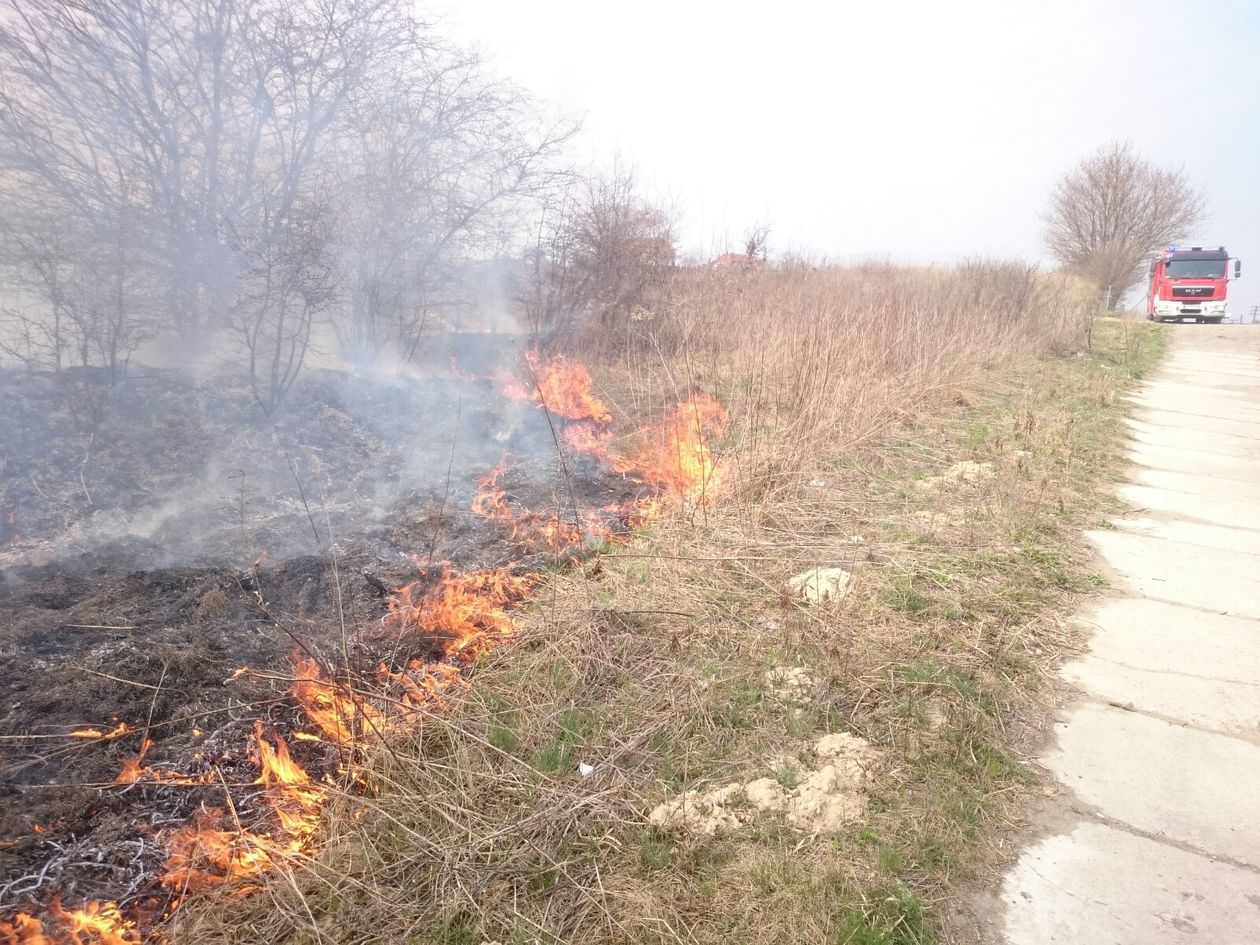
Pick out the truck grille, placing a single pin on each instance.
(1191, 291)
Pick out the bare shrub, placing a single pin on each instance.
(1112, 210)
(603, 259)
(442, 164)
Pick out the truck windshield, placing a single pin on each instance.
(1196, 268)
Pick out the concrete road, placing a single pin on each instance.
(1155, 835)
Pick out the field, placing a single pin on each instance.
(736, 635)
(679, 744)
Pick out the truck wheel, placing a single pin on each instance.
(1214, 320)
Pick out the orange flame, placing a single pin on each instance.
(203, 853)
(341, 715)
(294, 798)
(676, 457)
(529, 528)
(119, 729)
(471, 612)
(424, 685)
(563, 387)
(133, 765)
(97, 923)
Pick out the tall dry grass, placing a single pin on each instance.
(811, 359)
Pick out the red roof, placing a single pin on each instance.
(736, 261)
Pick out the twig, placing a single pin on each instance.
(450, 464)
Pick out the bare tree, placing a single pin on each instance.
(248, 167)
(606, 253)
(1112, 210)
(756, 242)
(440, 166)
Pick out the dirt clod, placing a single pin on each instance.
(825, 800)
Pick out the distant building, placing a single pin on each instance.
(737, 261)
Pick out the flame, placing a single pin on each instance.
(424, 685)
(294, 798)
(134, 769)
(676, 456)
(471, 612)
(119, 729)
(529, 528)
(341, 715)
(132, 766)
(673, 455)
(589, 438)
(203, 853)
(563, 387)
(97, 923)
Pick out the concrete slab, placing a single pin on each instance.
(1181, 664)
(1195, 484)
(1233, 406)
(1170, 782)
(1178, 459)
(1197, 534)
(1222, 444)
(1100, 886)
(1207, 418)
(1182, 574)
(1233, 513)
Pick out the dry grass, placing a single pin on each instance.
(816, 362)
(848, 390)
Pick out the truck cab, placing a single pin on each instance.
(1190, 283)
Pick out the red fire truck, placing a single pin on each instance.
(1190, 283)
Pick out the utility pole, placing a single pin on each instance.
(1255, 314)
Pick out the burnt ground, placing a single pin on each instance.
(160, 532)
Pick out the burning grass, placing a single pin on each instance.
(520, 811)
(453, 617)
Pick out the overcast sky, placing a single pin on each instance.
(920, 130)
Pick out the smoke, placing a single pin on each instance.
(176, 467)
(237, 334)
